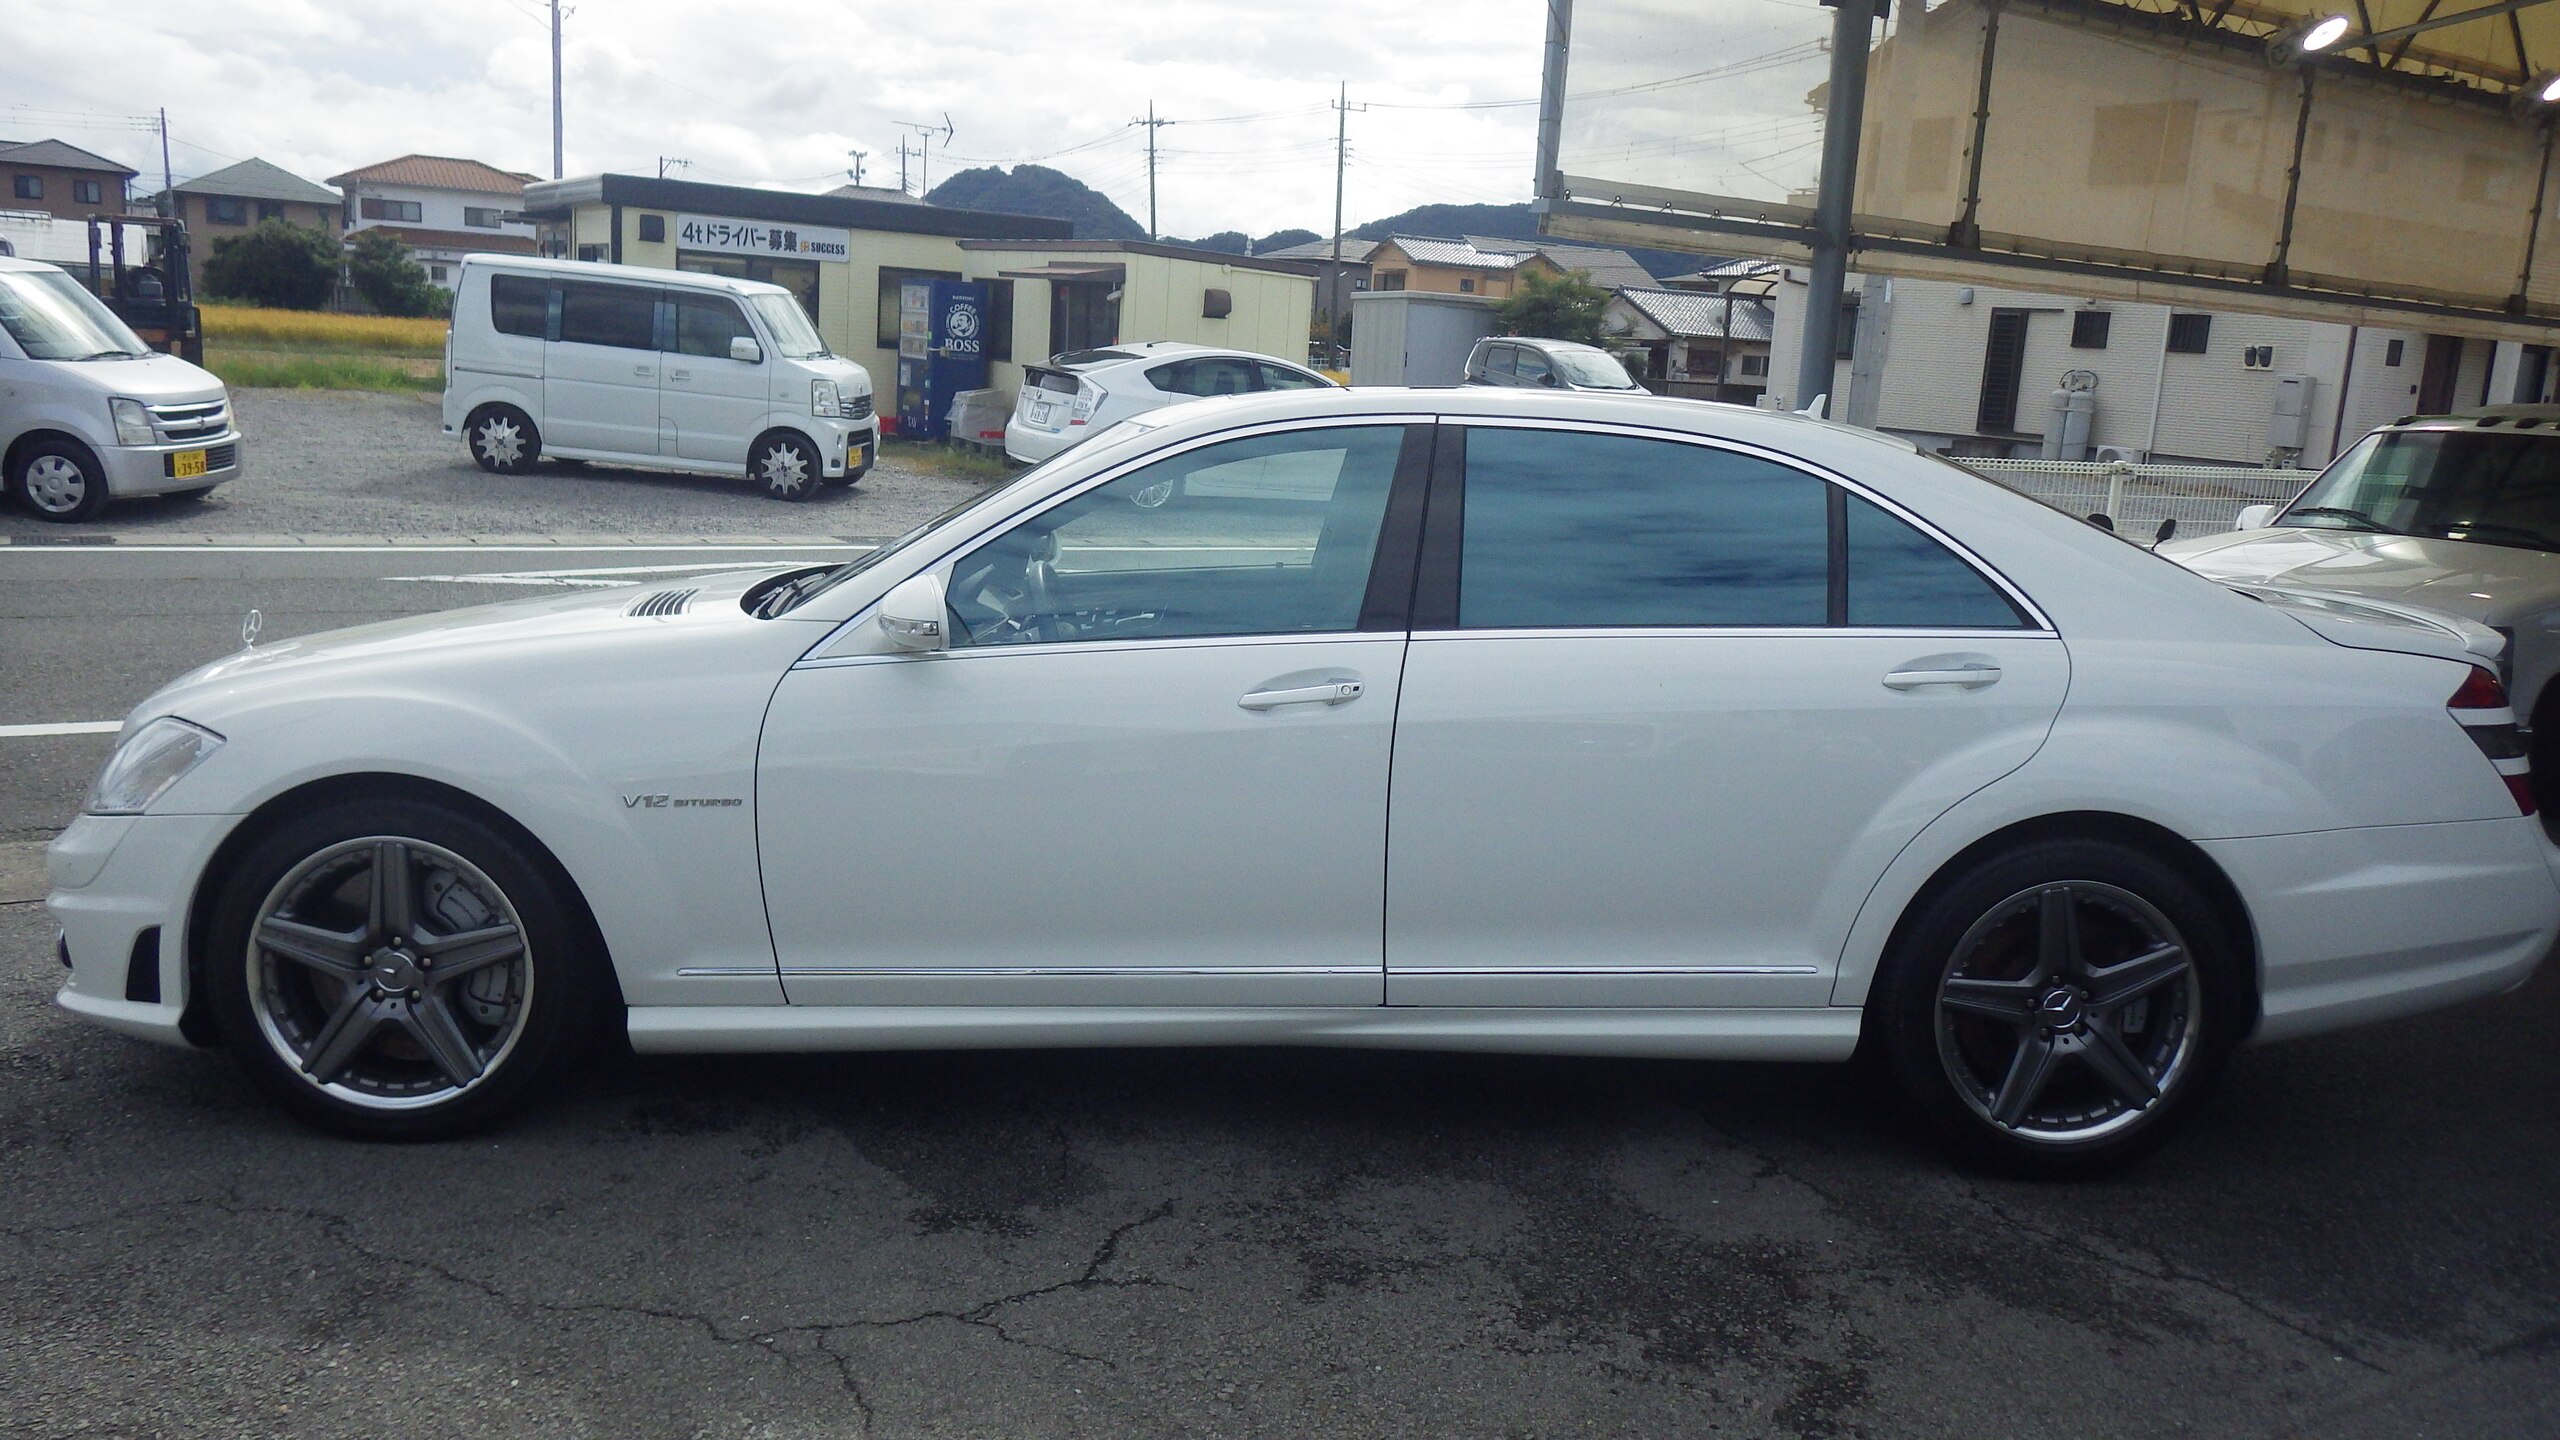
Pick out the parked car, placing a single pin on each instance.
(1084, 392)
(1548, 364)
(662, 368)
(2458, 514)
(1715, 733)
(89, 413)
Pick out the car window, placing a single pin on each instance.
(1281, 377)
(519, 305)
(1497, 360)
(705, 324)
(1529, 364)
(2490, 487)
(1564, 529)
(1208, 375)
(1900, 577)
(1270, 534)
(619, 315)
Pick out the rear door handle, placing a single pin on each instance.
(1966, 677)
(1332, 692)
(679, 374)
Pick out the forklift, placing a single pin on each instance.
(151, 293)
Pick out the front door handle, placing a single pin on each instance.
(679, 374)
(643, 370)
(1963, 677)
(1331, 692)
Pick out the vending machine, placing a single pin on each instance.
(942, 350)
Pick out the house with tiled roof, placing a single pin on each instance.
(442, 207)
(1709, 347)
(1450, 267)
(237, 198)
(1601, 265)
(49, 177)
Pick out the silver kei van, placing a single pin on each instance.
(89, 413)
(662, 368)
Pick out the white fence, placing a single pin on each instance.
(2203, 498)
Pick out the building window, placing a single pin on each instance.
(591, 253)
(481, 217)
(374, 207)
(224, 210)
(885, 333)
(1466, 284)
(1082, 316)
(270, 210)
(999, 319)
(1755, 365)
(2190, 334)
(436, 273)
(1388, 280)
(28, 187)
(2089, 329)
(653, 229)
(88, 192)
(2391, 353)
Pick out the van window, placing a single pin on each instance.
(519, 305)
(616, 315)
(705, 324)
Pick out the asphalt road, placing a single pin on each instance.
(2356, 1241)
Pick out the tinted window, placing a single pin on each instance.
(1569, 530)
(1210, 375)
(1272, 534)
(1497, 360)
(1898, 576)
(1531, 365)
(705, 324)
(609, 315)
(519, 305)
(1281, 377)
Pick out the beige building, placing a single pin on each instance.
(1450, 267)
(1080, 294)
(237, 199)
(48, 177)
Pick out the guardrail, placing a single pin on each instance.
(2203, 498)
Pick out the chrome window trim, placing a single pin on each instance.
(1091, 647)
(1732, 632)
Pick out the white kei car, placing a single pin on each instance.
(1714, 733)
(1085, 392)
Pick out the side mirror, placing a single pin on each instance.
(744, 347)
(911, 613)
(2103, 521)
(2168, 530)
(1549, 380)
(2256, 517)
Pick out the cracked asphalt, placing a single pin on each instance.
(2356, 1241)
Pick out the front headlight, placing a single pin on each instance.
(150, 760)
(825, 399)
(133, 423)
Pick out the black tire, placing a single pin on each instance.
(59, 480)
(187, 497)
(503, 440)
(2033, 1067)
(312, 882)
(786, 466)
(563, 462)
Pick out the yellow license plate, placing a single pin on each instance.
(861, 456)
(186, 464)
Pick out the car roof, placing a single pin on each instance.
(1550, 346)
(19, 262)
(605, 270)
(1152, 351)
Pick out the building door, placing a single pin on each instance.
(1083, 315)
(2533, 375)
(2004, 361)
(2435, 380)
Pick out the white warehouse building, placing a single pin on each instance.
(1970, 370)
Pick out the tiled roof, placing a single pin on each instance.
(58, 155)
(1608, 268)
(258, 180)
(1429, 250)
(438, 172)
(1354, 252)
(1694, 313)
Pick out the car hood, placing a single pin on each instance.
(154, 379)
(2487, 583)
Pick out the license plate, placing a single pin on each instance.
(861, 456)
(186, 464)
(1039, 414)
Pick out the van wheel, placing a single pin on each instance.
(503, 439)
(786, 466)
(60, 480)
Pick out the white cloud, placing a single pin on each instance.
(776, 91)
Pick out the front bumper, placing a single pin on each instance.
(152, 469)
(849, 447)
(114, 877)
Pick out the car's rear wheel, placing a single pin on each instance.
(2062, 1007)
(60, 480)
(397, 969)
(503, 439)
(786, 466)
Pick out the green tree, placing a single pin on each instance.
(1554, 307)
(279, 265)
(379, 268)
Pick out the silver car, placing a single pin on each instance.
(1552, 364)
(2456, 514)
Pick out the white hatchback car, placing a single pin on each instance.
(1084, 392)
(1714, 732)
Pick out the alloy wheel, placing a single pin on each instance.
(2068, 1011)
(783, 469)
(389, 973)
(55, 484)
(501, 442)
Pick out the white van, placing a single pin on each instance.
(664, 368)
(89, 413)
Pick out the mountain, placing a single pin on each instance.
(1039, 190)
(1512, 222)
(1233, 242)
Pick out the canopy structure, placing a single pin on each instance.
(2393, 162)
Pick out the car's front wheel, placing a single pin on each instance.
(2061, 1007)
(60, 480)
(399, 969)
(786, 466)
(503, 439)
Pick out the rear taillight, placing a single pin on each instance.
(2480, 704)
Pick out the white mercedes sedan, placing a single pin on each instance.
(1453, 719)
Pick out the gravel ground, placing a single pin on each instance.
(355, 463)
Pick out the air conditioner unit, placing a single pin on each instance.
(2116, 455)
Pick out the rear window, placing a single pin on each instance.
(1056, 381)
(519, 305)
(1090, 357)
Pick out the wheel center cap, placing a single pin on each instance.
(2060, 1009)
(395, 971)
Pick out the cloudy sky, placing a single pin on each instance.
(776, 91)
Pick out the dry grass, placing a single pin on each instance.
(950, 462)
(305, 331)
(252, 368)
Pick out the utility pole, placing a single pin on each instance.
(666, 160)
(924, 152)
(856, 172)
(168, 185)
(1844, 112)
(1341, 161)
(1153, 124)
(557, 168)
(902, 164)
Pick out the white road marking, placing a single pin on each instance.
(75, 727)
(565, 547)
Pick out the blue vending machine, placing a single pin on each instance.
(942, 350)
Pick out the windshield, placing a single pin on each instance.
(793, 335)
(2494, 487)
(52, 318)
(1592, 370)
